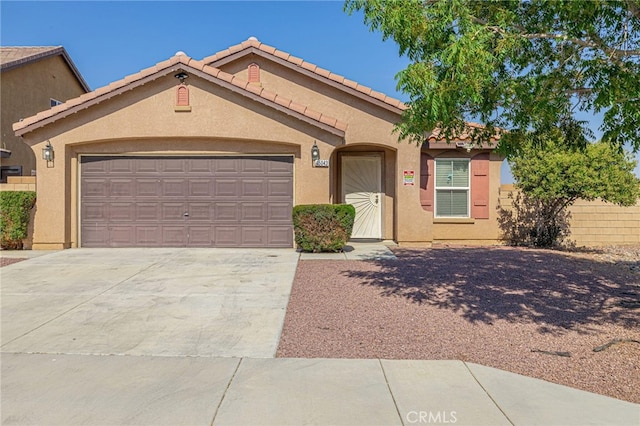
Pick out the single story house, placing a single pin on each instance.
(216, 152)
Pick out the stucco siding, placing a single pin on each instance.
(26, 90)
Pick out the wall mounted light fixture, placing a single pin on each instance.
(315, 153)
(181, 76)
(47, 153)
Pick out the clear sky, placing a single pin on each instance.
(110, 40)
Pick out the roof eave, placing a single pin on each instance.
(180, 64)
(307, 72)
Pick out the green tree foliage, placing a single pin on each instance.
(554, 174)
(515, 65)
(15, 208)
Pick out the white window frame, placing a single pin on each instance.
(451, 188)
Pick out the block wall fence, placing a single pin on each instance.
(596, 223)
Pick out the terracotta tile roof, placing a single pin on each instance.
(434, 136)
(252, 45)
(187, 64)
(15, 56)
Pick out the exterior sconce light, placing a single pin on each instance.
(47, 152)
(181, 76)
(315, 153)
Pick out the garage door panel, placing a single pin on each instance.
(120, 235)
(280, 236)
(199, 211)
(174, 236)
(279, 212)
(200, 236)
(94, 187)
(280, 166)
(226, 211)
(148, 236)
(121, 165)
(95, 211)
(252, 188)
(229, 201)
(280, 187)
(227, 236)
(173, 165)
(174, 187)
(122, 187)
(148, 187)
(253, 212)
(201, 165)
(94, 235)
(172, 211)
(201, 187)
(253, 166)
(148, 211)
(148, 166)
(226, 188)
(253, 236)
(226, 165)
(122, 212)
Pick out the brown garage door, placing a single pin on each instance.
(234, 201)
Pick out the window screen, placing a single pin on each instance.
(452, 188)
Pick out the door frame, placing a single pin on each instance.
(381, 157)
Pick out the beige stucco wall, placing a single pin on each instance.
(471, 231)
(596, 223)
(145, 121)
(370, 129)
(25, 91)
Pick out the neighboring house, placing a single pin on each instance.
(33, 79)
(216, 152)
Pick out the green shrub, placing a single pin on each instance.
(15, 210)
(323, 227)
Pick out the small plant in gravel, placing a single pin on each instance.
(323, 227)
(15, 209)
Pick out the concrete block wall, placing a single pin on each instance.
(596, 223)
(19, 183)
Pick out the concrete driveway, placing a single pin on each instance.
(163, 302)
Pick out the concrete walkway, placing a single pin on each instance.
(355, 251)
(187, 337)
(47, 389)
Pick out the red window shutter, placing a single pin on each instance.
(427, 181)
(480, 186)
(182, 96)
(254, 73)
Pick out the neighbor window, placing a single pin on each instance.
(452, 188)
(54, 102)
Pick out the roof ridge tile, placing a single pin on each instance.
(307, 66)
(202, 66)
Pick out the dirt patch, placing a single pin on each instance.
(519, 310)
(5, 261)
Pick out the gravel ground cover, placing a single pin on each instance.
(5, 261)
(534, 312)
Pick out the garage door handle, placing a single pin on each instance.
(186, 214)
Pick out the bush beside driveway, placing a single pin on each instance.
(515, 309)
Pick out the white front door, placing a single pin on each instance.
(362, 188)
